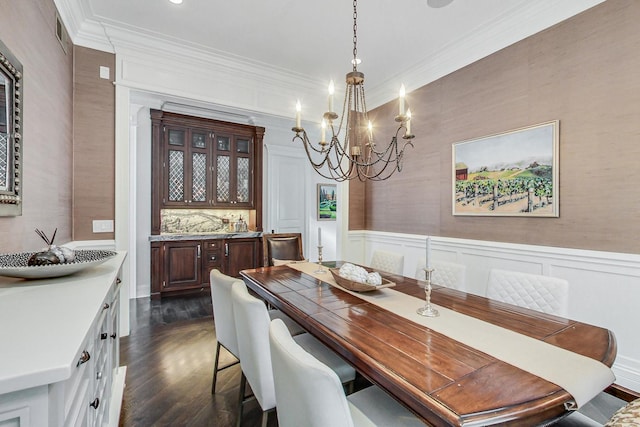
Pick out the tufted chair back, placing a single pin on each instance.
(542, 293)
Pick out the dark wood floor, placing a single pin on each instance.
(169, 357)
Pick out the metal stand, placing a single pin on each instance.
(428, 310)
(320, 269)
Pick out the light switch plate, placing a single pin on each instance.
(102, 225)
(104, 72)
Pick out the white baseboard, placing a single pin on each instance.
(605, 286)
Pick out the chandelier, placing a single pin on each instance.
(358, 155)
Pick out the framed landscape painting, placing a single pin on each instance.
(508, 174)
(327, 202)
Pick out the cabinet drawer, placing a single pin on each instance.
(214, 258)
(74, 391)
(213, 245)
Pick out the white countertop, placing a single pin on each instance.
(43, 323)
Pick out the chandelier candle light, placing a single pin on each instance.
(357, 156)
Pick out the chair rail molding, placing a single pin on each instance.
(604, 286)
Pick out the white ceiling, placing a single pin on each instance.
(397, 39)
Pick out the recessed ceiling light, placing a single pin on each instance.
(438, 3)
(176, 1)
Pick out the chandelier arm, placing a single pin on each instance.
(307, 142)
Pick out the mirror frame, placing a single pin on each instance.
(11, 68)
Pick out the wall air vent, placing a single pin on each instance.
(62, 35)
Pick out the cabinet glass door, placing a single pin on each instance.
(223, 169)
(198, 167)
(243, 173)
(176, 165)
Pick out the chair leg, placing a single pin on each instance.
(216, 360)
(243, 383)
(217, 368)
(350, 386)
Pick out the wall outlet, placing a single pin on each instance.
(102, 225)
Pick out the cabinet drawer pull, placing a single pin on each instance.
(95, 403)
(99, 375)
(84, 358)
(103, 336)
(105, 306)
(118, 281)
(199, 253)
(213, 258)
(226, 249)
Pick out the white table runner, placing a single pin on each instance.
(579, 375)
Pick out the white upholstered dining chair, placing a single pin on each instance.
(225, 324)
(223, 320)
(309, 393)
(448, 274)
(387, 261)
(252, 329)
(542, 293)
(627, 416)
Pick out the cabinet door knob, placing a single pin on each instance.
(113, 335)
(84, 358)
(105, 306)
(99, 375)
(103, 336)
(118, 281)
(95, 403)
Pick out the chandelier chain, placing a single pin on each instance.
(355, 35)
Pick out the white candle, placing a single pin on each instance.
(319, 236)
(331, 91)
(409, 121)
(298, 109)
(401, 101)
(429, 252)
(323, 128)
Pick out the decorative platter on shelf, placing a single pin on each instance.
(15, 265)
(352, 285)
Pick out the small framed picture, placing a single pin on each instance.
(327, 202)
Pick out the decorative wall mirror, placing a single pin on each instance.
(10, 134)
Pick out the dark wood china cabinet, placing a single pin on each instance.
(200, 163)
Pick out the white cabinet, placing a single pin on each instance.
(90, 386)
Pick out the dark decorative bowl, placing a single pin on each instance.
(15, 265)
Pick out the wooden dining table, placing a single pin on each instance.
(441, 380)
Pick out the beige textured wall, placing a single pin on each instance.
(583, 72)
(94, 143)
(27, 28)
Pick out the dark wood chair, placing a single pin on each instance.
(283, 246)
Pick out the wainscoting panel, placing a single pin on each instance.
(605, 286)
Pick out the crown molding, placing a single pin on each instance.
(135, 44)
(511, 27)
